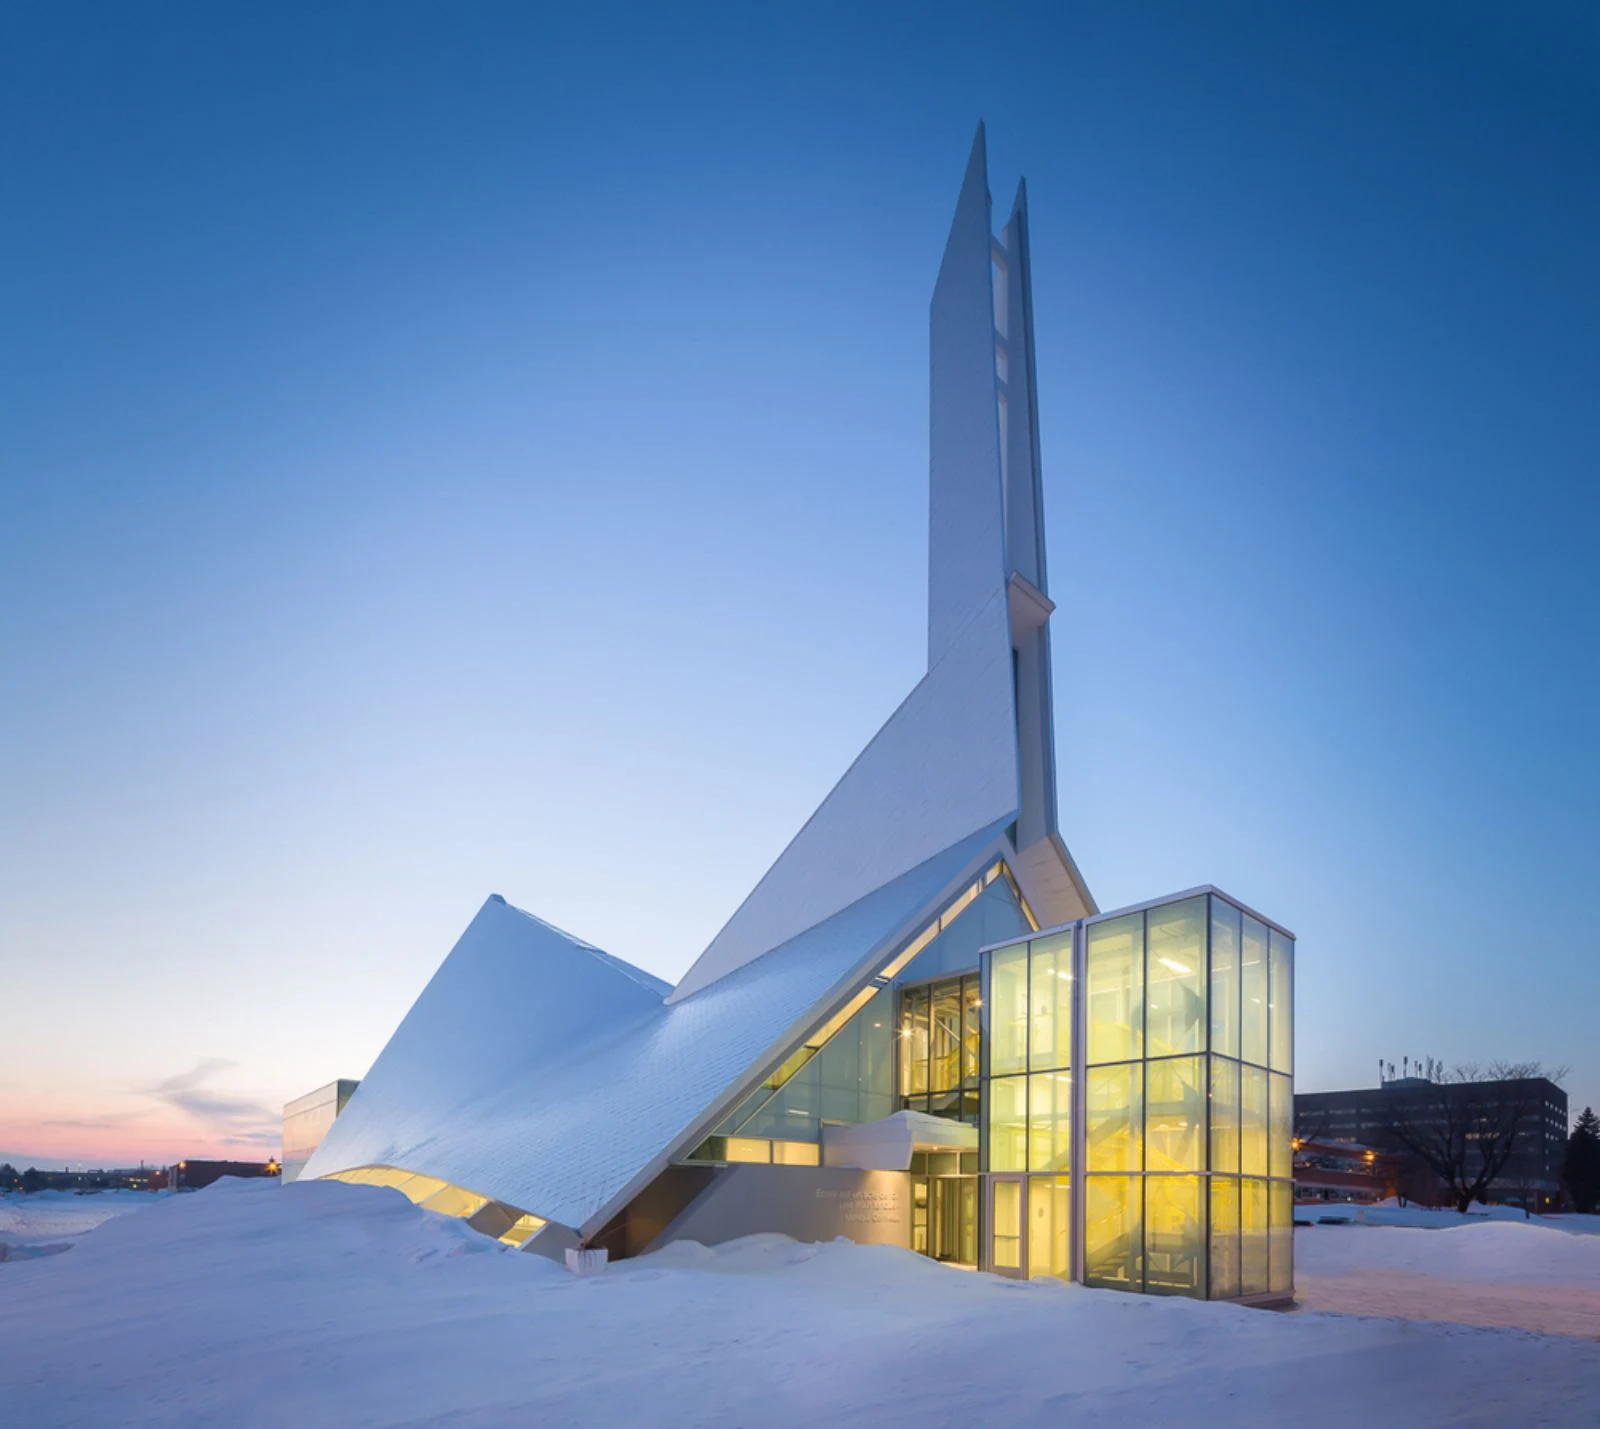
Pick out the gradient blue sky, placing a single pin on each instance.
(464, 449)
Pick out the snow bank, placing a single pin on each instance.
(1391, 1213)
(322, 1304)
(48, 1222)
(1513, 1252)
(1475, 1271)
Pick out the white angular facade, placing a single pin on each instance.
(555, 1094)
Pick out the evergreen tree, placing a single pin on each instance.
(1581, 1169)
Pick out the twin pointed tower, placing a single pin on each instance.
(543, 1083)
(973, 744)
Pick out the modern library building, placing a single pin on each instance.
(918, 1029)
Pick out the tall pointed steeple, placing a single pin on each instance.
(966, 535)
(985, 498)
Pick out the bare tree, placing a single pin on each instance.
(1464, 1123)
(1309, 1125)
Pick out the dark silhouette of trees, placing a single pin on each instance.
(1581, 1167)
(1465, 1124)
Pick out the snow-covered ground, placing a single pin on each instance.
(327, 1304)
(1391, 1213)
(48, 1222)
(1535, 1275)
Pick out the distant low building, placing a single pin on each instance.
(192, 1175)
(307, 1119)
(110, 1178)
(1366, 1117)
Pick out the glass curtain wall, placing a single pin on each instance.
(1028, 1127)
(1250, 1236)
(1187, 1098)
(939, 1041)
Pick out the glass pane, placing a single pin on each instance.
(945, 1070)
(1113, 1240)
(1175, 972)
(1049, 1227)
(1253, 990)
(1224, 1237)
(1115, 999)
(1050, 1003)
(1008, 1010)
(971, 1029)
(1280, 1126)
(875, 1070)
(1114, 1118)
(1174, 1235)
(914, 1042)
(1175, 1115)
(1252, 1237)
(1224, 978)
(1008, 1124)
(1252, 1121)
(453, 1201)
(1050, 1121)
(1224, 1116)
(1280, 1236)
(1005, 1240)
(967, 1247)
(1280, 1008)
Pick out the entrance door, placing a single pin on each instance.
(1007, 1227)
(953, 1219)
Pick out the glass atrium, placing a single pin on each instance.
(1154, 1112)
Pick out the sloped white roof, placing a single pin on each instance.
(541, 1072)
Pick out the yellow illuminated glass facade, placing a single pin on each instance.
(1166, 1090)
(1028, 1125)
(491, 1217)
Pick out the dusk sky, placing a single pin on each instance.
(454, 450)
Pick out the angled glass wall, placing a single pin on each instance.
(903, 1041)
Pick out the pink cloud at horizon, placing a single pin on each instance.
(183, 1116)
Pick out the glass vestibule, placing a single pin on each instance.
(1183, 1085)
